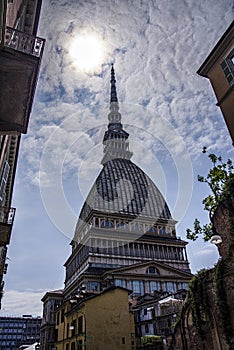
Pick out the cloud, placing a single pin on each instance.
(157, 49)
(166, 107)
(18, 303)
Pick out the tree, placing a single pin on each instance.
(220, 180)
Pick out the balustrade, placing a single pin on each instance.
(24, 42)
(7, 215)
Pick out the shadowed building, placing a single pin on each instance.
(51, 302)
(20, 58)
(218, 67)
(125, 235)
(101, 321)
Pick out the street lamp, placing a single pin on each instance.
(216, 239)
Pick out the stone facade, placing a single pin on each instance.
(207, 319)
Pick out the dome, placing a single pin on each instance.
(123, 188)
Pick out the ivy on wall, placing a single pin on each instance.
(222, 303)
(198, 299)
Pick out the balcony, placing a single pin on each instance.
(6, 222)
(20, 58)
(23, 42)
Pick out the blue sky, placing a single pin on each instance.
(169, 111)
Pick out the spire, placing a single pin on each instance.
(113, 97)
(115, 140)
(114, 116)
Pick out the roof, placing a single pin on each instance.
(57, 292)
(123, 188)
(92, 296)
(127, 269)
(217, 51)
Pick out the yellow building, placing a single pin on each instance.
(99, 322)
(218, 67)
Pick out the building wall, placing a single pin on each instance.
(218, 80)
(213, 329)
(107, 323)
(111, 324)
(22, 15)
(12, 11)
(219, 69)
(52, 301)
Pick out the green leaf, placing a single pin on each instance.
(220, 180)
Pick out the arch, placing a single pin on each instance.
(152, 270)
(107, 223)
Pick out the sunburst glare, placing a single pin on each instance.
(88, 52)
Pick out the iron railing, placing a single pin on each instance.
(7, 215)
(24, 42)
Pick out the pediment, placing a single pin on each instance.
(150, 268)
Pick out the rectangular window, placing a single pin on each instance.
(170, 287)
(93, 286)
(68, 328)
(62, 315)
(228, 68)
(3, 181)
(118, 282)
(123, 340)
(154, 285)
(146, 328)
(130, 285)
(80, 324)
(184, 285)
(136, 287)
(58, 316)
(73, 328)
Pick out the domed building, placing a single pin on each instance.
(124, 248)
(125, 235)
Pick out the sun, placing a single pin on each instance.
(87, 52)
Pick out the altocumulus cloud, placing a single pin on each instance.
(157, 48)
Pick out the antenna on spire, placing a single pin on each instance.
(113, 97)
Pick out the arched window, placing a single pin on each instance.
(137, 227)
(152, 270)
(96, 222)
(122, 225)
(162, 230)
(107, 223)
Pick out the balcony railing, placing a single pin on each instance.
(6, 221)
(7, 215)
(24, 42)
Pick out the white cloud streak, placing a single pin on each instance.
(18, 303)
